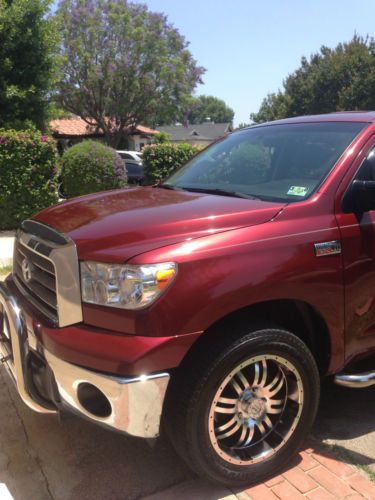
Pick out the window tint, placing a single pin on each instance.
(366, 171)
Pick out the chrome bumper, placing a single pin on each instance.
(129, 405)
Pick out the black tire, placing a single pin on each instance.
(191, 413)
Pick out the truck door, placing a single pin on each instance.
(358, 253)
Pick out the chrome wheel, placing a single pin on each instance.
(256, 409)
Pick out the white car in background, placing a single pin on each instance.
(131, 155)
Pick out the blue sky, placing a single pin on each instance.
(248, 47)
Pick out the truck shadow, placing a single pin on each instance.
(346, 423)
(346, 413)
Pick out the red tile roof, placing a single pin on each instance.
(71, 126)
(76, 127)
(146, 130)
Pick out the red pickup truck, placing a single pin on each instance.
(209, 305)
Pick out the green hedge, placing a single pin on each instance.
(90, 166)
(27, 175)
(161, 160)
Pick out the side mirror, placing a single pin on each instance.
(360, 197)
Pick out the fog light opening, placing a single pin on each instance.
(93, 400)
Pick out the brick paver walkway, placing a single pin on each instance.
(314, 475)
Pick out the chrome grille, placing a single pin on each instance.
(45, 269)
(40, 287)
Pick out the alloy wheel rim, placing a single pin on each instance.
(256, 409)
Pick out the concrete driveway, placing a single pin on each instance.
(6, 248)
(42, 458)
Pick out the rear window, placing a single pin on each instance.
(126, 156)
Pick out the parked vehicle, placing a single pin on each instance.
(212, 303)
(134, 167)
(134, 172)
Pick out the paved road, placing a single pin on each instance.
(41, 458)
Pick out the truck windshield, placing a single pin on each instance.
(273, 162)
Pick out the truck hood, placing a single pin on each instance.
(117, 225)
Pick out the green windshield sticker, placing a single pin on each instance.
(298, 190)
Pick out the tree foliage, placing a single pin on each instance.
(122, 65)
(206, 107)
(243, 125)
(336, 79)
(161, 137)
(27, 48)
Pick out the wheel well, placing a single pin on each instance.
(296, 316)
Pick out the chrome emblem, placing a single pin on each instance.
(26, 270)
(327, 248)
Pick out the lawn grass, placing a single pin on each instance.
(345, 456)
(368, 471)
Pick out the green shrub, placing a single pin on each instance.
(27, 175)
(161, 160)
(90, 166)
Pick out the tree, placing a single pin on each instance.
(243, 125)
(161, 138)
(55, 112)
(27, 45)
(273, 107)
(207, 107)
(331, 80)
(122, 65)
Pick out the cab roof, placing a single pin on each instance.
(342, 116)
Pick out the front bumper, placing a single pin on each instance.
(130, 405)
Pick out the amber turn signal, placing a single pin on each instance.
(164, 276)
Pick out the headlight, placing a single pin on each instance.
(125, 286)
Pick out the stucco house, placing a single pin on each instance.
(69, 131)
(197, 135)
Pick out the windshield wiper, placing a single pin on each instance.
(218, 191)
(221, 192)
